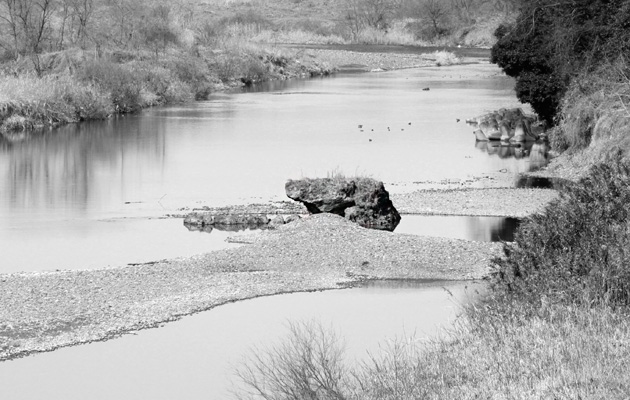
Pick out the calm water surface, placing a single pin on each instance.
(195, 358)
(80, 196)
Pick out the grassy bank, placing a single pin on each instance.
(81, 85)
(594, 120)
(554, 324)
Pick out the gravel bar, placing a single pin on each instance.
(503, 202)
(47, 310)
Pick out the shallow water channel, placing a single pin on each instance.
(195, 358)
(81, 196)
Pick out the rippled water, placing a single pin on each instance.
(79, 196)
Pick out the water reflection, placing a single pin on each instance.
(537, 182)
(71, 167)
(481, 229)
(224, 228)
(241, 148)
(537, 153)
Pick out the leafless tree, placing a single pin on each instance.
(8, 18)
(82, 10)
(436, 12)
(29, 23)
(505, 6)
(464, 9)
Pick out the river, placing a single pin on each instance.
(196, 358)
(94, 195)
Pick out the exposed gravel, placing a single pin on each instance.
(368, 61)
(504, 202)
(44, 311)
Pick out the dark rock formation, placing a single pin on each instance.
(362, 200)
(241, 217)
(225, 221)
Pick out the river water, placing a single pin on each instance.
(196, 358)
(91, 195)
(94, 195)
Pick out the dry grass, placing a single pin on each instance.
(560, 352)
(397, 34)
(595, 114)
(296, 37)
(27, 101)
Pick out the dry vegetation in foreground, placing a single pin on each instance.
(554, 325)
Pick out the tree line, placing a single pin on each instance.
(31, 27)
(35, 26)
(438, 16)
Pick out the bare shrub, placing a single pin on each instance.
(307, 366)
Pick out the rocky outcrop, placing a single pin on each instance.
(507, 125)
(362, 200)
(236, 218)
(205, 220)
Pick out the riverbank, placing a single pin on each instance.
(554, 324)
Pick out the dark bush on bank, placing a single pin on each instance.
(551, 42)
(578, 250)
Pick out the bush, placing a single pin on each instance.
(552, 42)
(194, 72)
(120, 82)
(308, 365)
(576, 251)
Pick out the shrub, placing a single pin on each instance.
(552, 42)
(445, 58)
(308, 365)
(576, 250)
(120, 82)
(194, 72)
